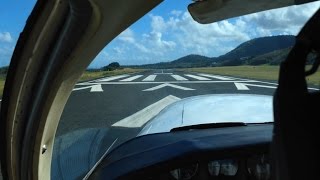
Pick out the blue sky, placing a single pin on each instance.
(13, 15)
(167, 32)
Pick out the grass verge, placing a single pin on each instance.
(2, 80)
(89, 75)
(253, 72)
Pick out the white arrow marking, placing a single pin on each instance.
(141, 117)
(94, 88)
(243, 86)
(170, 85)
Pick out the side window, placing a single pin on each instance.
(3, 74)
(13, 16)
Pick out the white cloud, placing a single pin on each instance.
(158, 24)
(264, 32)
(155, 39)
(176, 35)
(5, 37)
(285, 20)
(141, 47)
(176, 12)
(190, 36)
(203, 39)
(118, 50)
(153, 42)
(127, 36)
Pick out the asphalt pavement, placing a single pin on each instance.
(103, 113)
(121, 105)
(105, 101)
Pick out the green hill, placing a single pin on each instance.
(265, 50)
(259, 46)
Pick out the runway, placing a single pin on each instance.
(104, 113)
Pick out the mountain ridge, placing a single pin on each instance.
(247, 53)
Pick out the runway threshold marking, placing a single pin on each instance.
(198, 77)
(112, 78)
(163, 73)
(168, 85)
(131, 78)
(241, 86)
(141, 117)
(93, 88)
(217, 77)
(106, 79)
(150, 78)
(171, 82)
(96, 88)
(244, 86)
(179, 78)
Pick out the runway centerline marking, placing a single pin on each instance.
(141, 117)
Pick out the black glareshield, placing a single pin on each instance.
(296, 110)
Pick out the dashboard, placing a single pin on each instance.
(255, 167)
(240, 152)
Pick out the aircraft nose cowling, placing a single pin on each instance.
(221, 108)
